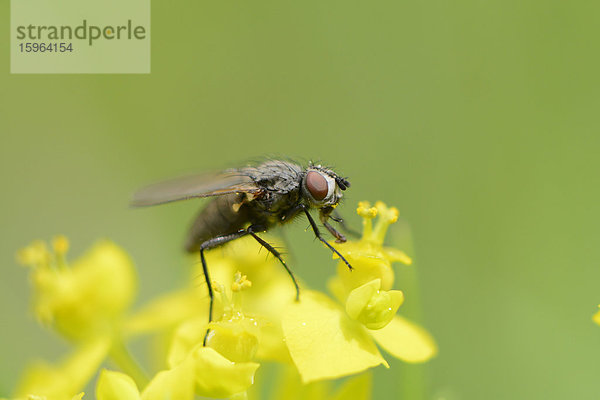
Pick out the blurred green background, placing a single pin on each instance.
(478, 120)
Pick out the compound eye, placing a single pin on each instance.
(316, 185)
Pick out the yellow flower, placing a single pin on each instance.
(327, 341)
(374, 259)
(317, 338)
(235, 336)
(324, 342)
(85, 302)
(272, 290)
(85, 299)
(170, 310)
(225, 367)
(204, 372)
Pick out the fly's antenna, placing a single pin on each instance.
(342, 182)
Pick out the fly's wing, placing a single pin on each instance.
(194, 186)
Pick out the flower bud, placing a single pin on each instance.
(373, 307)
(85, 299)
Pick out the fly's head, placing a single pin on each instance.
(322, 187)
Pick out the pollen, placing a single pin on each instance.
(60, 244)
(240, 282)
(365, 210)
(391, 213)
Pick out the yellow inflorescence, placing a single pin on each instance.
(88, 302)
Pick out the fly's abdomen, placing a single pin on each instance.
(221, 216)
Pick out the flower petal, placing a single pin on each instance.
(368, 263)
(235, 340)
(394, 255)
(324, 342)
(406, 340)
(359, 298)
(372, 307)
(272, 345)
(216, 376)
(186, 337)
(113, 385)
(108, 273)
(176, 383)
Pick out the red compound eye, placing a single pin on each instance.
(316, 185)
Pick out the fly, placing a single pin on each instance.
(250, 200)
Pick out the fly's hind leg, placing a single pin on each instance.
(209, 244)
(252, 229)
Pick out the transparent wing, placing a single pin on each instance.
(194, 186)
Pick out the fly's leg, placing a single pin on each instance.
(257, 228)
(327, 213)
(209, 244)
(219, 240)
(324, 215)
(315, 229)
(339, 238)
(349, 231)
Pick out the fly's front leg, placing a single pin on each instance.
(349, 231)
(209, 244)
(330, 213)
(317, 232)
(324, 216)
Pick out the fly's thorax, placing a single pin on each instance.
(279, 187)
(276, 202)
(275, 175)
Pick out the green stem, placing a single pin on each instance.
(125, 361)
(414, 374)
